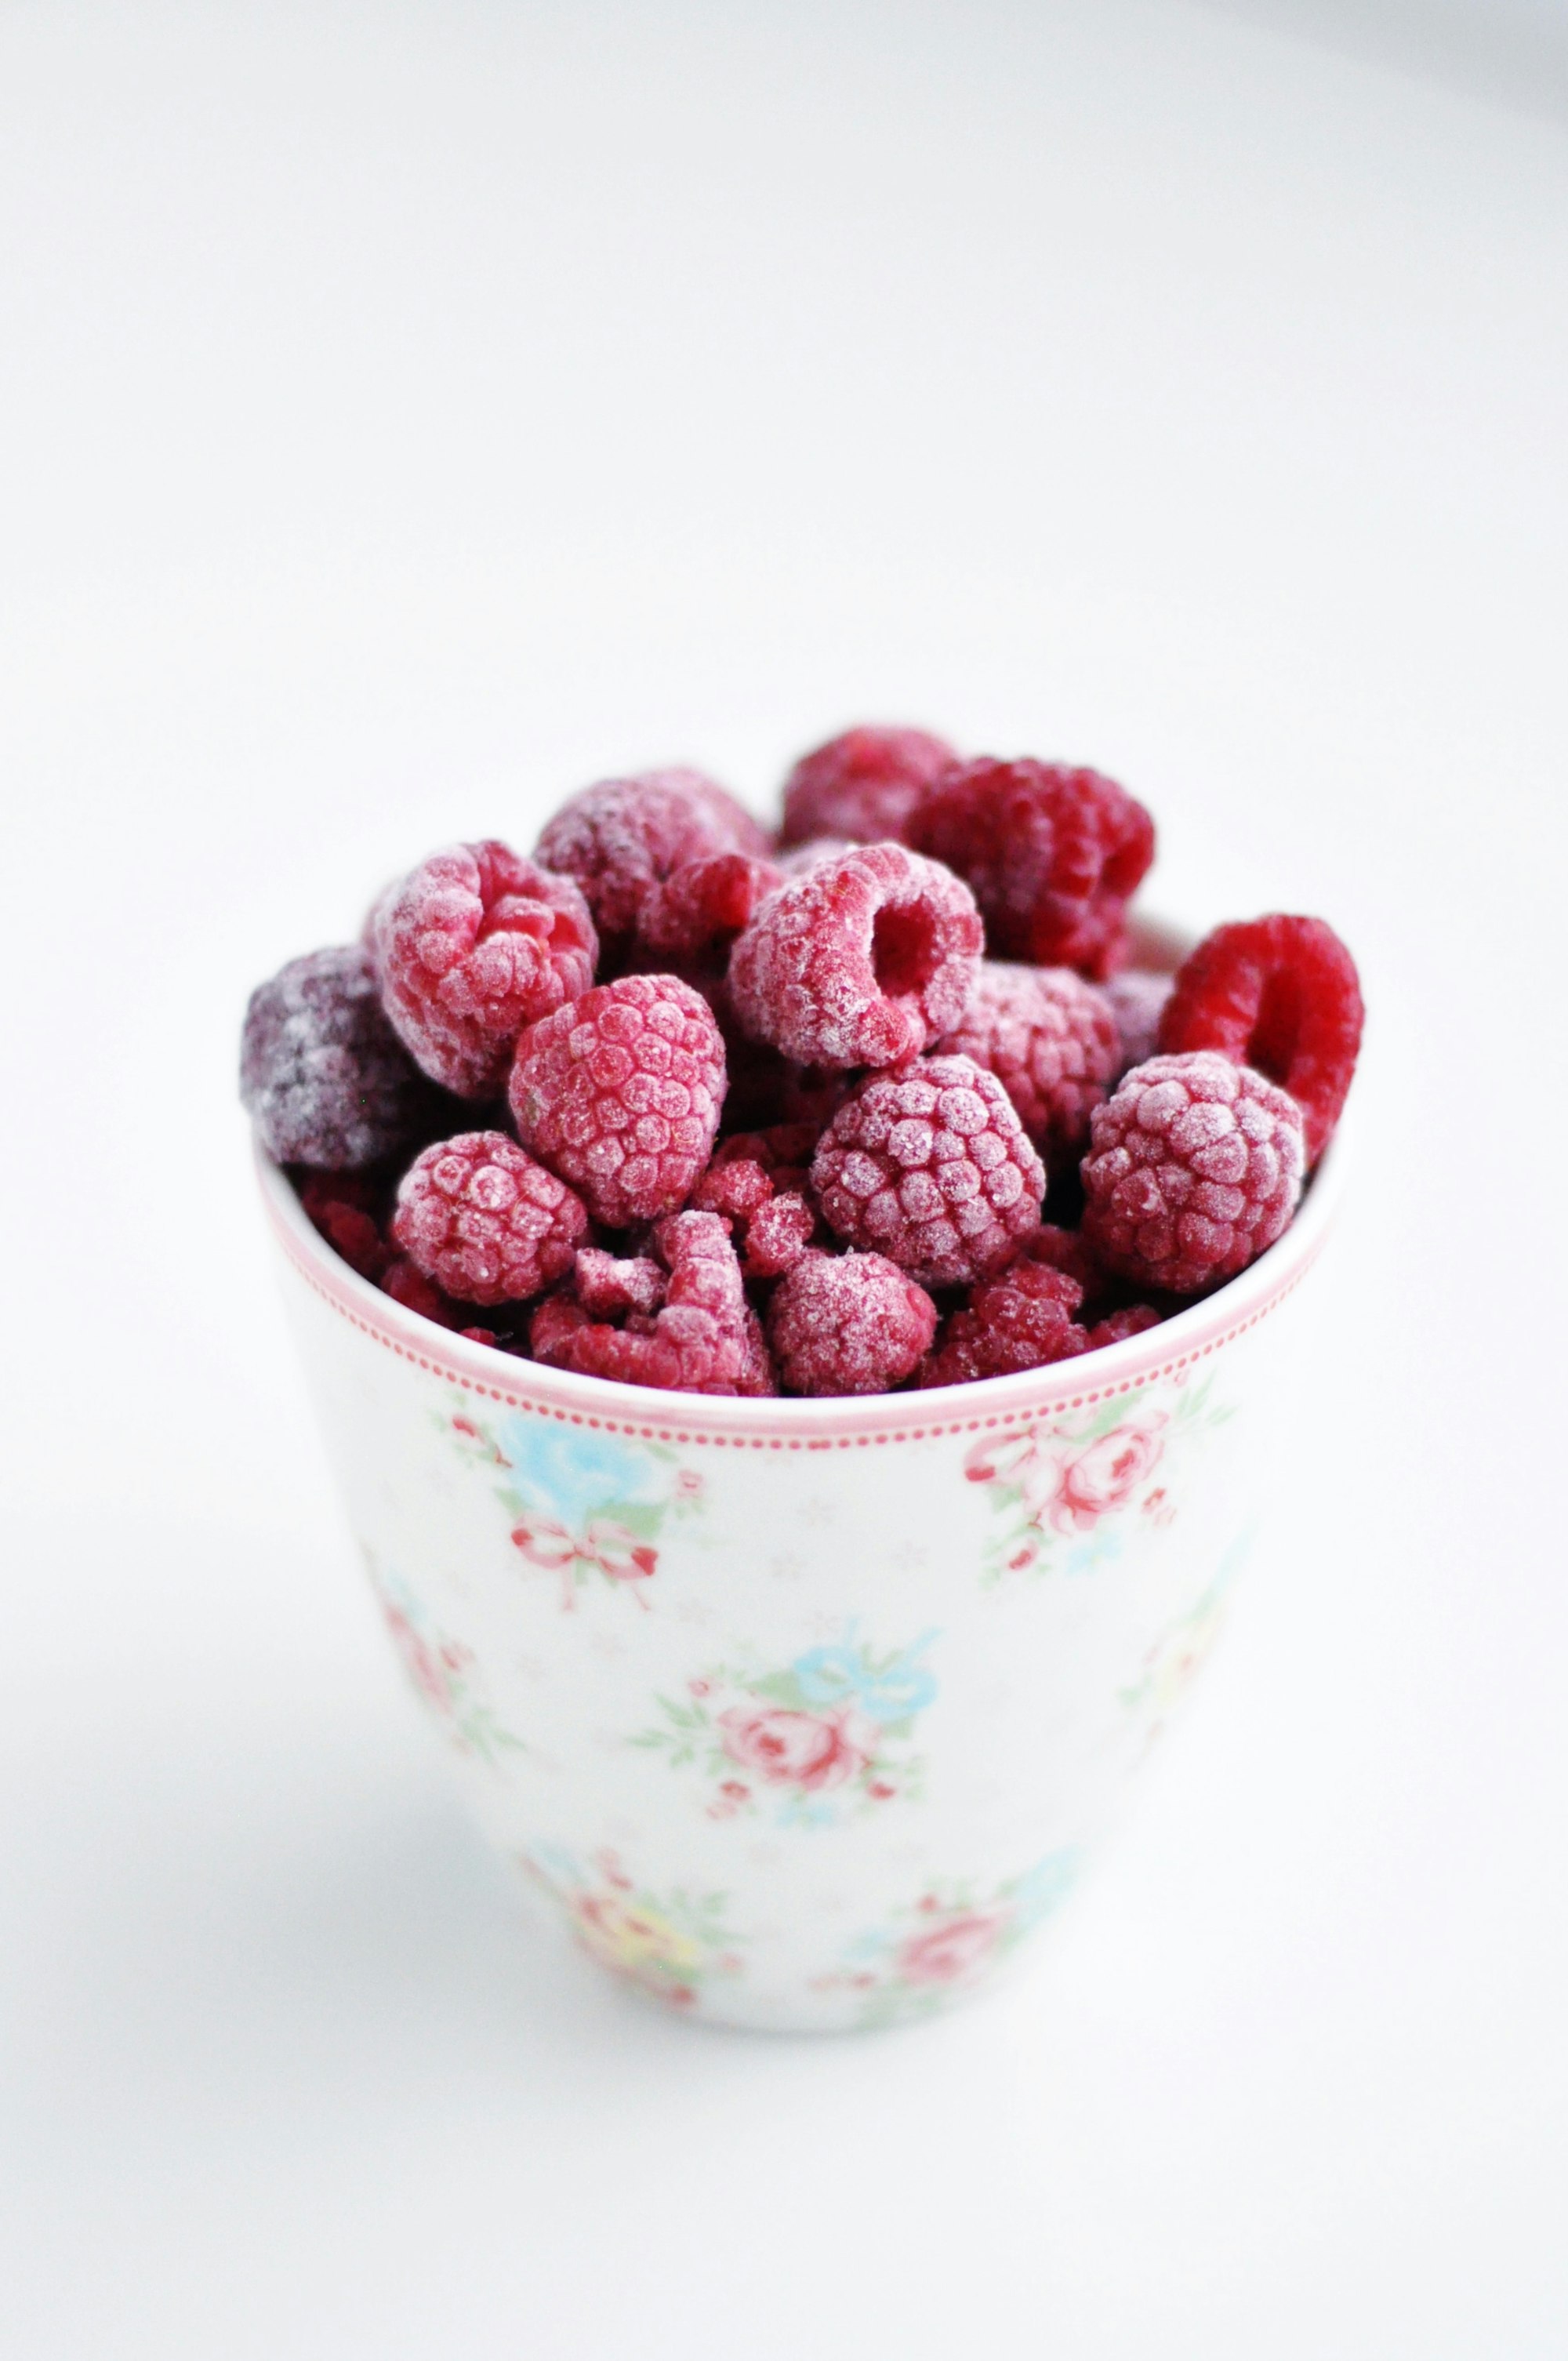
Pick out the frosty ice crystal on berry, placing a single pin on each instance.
(883, 1100)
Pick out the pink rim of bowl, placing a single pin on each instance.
(785, 1424)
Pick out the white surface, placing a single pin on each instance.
(409, 414)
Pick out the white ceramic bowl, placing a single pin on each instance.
(802, 1714)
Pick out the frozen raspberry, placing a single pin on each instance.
(795, 859)
(343, 1208)
(472, 946)
(735, 1186)
(930, 1166)
(1053, 855)
(852, 1323)
(626, 839)
(1066, 1250)
(321, 1073)
(1137, 996)
(605, 1287)
(1194, 1166)
(863, 961)
(1050, 1039)
(619, 1094)
(694, 916)
(705, 1339)
(407, 1284)
(1117, 1326)
(1279, 995)
(777, 1234)
(478, 1217)
(863, 786)
(1022, 1320)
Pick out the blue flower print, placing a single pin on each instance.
(889, 1692)
(573, 1474)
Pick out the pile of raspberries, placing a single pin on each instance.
(879, 1101)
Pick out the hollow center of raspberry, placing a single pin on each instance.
(1277, 1032)
(905, 955)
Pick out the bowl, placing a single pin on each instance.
(800, 1715)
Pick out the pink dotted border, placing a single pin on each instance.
(750, 1438)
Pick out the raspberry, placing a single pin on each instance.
(1021, 1320)
(930, 1166)
(472, 946)
(863, 786)
(777, 1234)
(1195, 1166)
(851, 1324)
(321, 1070)
(1050, 1039)
(407, 1284)
(754, 1190)
(861, 962)
(795, 859)
(705, 1339)
(484, 1222)
(342, 1207)
(619, 1094)
(1279, 995)
(626, 839)
(1136, 998)
(1053, 855)
(700, 910)
(605, 1287)
(1117, 1326)
(1066, 1250)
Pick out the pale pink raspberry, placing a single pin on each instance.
(851, 1324)
(629, 843)
(469, 947)
(485, 1222)
(930, 1166)
(1051, 1041)
(620, 1093)
(862, 784)
(704, 1339)
(861, 962)
(1194, 1167)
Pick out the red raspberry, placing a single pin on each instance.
(863, 786)
(607, 1288)
(471, 947)
(406, 1285)
(851, 1324)
(1195, 1166)
(626, 839)
(777, 1234)
(1279, 995)
(1137, 997)
(930, 1166)
(1117, 1326)
(1050, 1039)
(484, 1222)
(1022, 1320)
(1053, 855)
(705, 1339)
(698, 912)
(735, 1186)
(321, 1073)
(795, 859)
(863, 961)
(619, 1093)
(343, 1208)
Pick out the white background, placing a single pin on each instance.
(409, 414)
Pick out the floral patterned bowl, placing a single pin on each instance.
(801, 1714)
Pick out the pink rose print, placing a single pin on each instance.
(434, 1670)
(1102, 1477)
(800, 1750)
(943, 1954)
